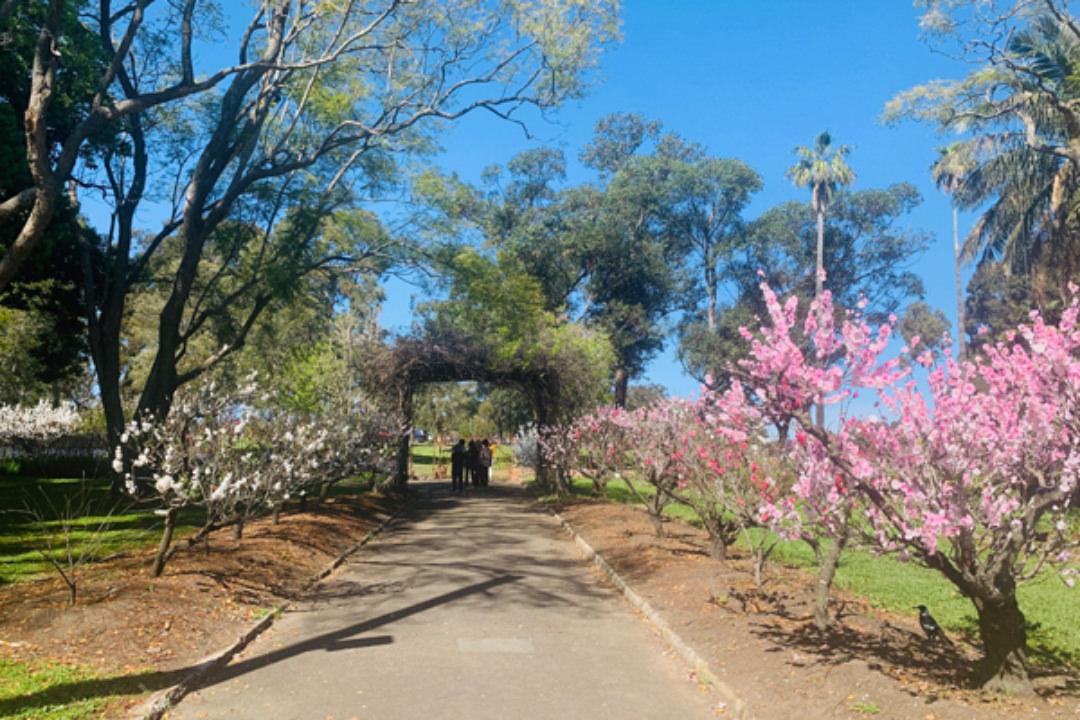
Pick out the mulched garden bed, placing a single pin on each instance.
(136, 632)
(765, 646)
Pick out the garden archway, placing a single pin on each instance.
(415, 361)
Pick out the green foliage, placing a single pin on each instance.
(823, 169)
(493, 299)
(639, 396)
(444, 408)
(49, 298)
(865, 707)
(1016, 162)
(19, 364)
(76, 83)
(505, 410)
(495, 312)
(303, 385)
(928, 324)
(619, 256)
(997, 300)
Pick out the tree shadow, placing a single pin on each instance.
(893, 648)
(335, 640)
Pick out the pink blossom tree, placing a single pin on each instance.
(656, 453)
(601, 441)
(732, 474)
(972, 478)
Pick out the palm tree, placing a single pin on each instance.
(1022, 169)
(823, 170)
(949, 172)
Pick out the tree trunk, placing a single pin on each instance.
(401, 474)
(717, 547)
(828, 560)
(277, 513)
(105, 322)
(165, 544)
(819, 288)
(819, 265)
(238, 528)
(960, 320)
(324, 492)
(656, 509)
(622, 382)
(546, 480)
(710, 289)
(47, 184)
(759, 568)
(1003, 630)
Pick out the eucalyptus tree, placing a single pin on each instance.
(259, 159)
(952, 166)
(636, 257)
(609, 253)
(712, 194)
(622, 253)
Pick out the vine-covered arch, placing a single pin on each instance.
(418, 360)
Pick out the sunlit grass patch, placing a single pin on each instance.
(49, 691)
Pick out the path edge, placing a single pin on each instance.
(735, 704)
(156, 707)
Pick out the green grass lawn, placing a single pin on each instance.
(18, 680)
(49, 691)
(1052, 608)
(126, 526)
(425, 456)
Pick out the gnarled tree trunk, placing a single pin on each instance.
(1003, 630)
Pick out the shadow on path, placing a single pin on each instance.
(340, 639)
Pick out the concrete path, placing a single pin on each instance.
(472, 608)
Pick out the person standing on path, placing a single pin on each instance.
(459, 456)
(473, 462)
(484, 460)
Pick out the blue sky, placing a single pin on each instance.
(751, 80)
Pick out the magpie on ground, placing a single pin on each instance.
(930, 626)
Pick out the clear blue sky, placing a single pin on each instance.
(750, 80)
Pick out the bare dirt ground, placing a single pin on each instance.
(765, 646)
(138, 632)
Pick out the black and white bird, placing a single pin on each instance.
(930, 626)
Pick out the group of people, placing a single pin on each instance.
(471, 463)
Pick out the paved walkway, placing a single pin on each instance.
(473, 608)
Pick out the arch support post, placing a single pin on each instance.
(405, 413)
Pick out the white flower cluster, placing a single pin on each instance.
(37, 422)
(216, 449)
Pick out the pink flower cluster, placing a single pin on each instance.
(979, 458)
